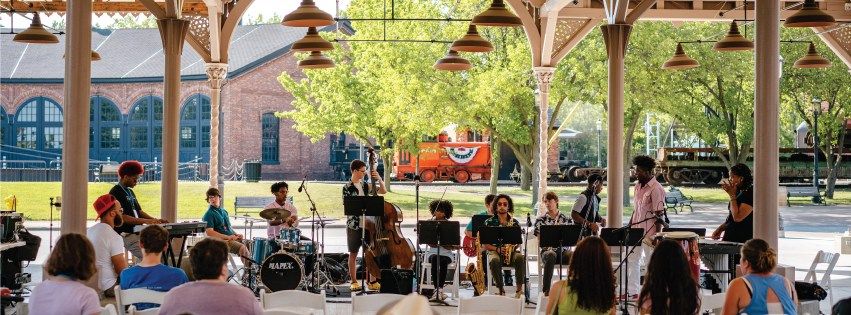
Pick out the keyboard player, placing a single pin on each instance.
(132, 213)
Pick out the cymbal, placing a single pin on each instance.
(275, 214)
(309, 220)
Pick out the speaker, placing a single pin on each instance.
(397, 281)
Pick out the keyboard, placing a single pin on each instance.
(179, 228)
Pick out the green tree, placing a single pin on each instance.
(130, 21)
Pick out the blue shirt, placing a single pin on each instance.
(217, 219)
(158, 278)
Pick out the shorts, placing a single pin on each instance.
(353, 239)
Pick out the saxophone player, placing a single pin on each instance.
(503, 208)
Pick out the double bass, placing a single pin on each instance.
(385, 245)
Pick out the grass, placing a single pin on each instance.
(467, 200)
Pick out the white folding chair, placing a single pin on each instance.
(492, 286)
(108, 309)
(709, 303)
(492, 304)
(453, 271)
(138, 295)
(823, 258)
(294, 300)
(280, 311)
(369, 304)
(150, 311)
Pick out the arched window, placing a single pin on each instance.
(38, 125)
(195, 129)
(271, 130)
(105, 131)
(145, 129)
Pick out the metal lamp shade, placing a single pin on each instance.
(472, 42)
(316, 60)
(497, 15)
(452, 62)
(733, 41)
(312, 42)
(812, 60)
(809, 16)
(36, 33)
(307, 14)
(680, 61)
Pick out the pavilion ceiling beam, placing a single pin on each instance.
(140, 6)
(549, 20)
(530, 27)
(154, 8)
(835, 45)
(639, 10)
(214, 16)
(234, 16)
(684, 14)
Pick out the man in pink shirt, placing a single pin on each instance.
(649, 202)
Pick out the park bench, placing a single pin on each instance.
(251, 203)
(108, 173)
(808, 191)
(675, 199)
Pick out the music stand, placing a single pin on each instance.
(363, 206)
(499, 236)
(478, 222)
(559, 236)
(439, 233)
(625, 236)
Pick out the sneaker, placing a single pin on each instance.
(518, 294)
(438, 296)
(355, 286)
(374, 286)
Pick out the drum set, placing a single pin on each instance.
(290, 261)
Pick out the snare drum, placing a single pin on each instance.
(262, 248)
(688, 240)
(289, 238)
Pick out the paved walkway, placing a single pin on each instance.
(808, 229)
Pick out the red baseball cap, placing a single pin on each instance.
(104, 203)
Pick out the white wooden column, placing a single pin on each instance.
(75, 138)
(616, 37)
(216, 74)
(172, 31)
(544, 76)
(766, 116)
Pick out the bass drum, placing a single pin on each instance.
(281, 271)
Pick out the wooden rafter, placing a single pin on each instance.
(189, 6)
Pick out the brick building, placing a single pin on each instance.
(127, 93)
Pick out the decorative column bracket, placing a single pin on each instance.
(544, 76)
(216, 75)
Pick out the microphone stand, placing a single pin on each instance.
(417, 262)
(526, 259)
(624, 279)
(313, 233)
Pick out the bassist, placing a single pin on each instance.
(358, 186)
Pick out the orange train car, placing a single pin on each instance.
(457, 161)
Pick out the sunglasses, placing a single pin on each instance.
(502, 204)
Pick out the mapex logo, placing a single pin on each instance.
(281, 266)
(461, 155)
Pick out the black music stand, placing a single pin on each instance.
(499, 236)
(478, 222)
(438, 233)
(559, 236)
(623, 237)
(363, 206)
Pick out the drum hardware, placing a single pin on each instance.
(54, 202)
(248, 229)
(319, 277)
(275, 214)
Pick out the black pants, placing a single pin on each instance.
(439, 279)
(550, 258)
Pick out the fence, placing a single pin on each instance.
(44, 171)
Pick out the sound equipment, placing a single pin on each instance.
(397, 281)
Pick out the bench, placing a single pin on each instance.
(675, 199)
(251, 203)
(808, 191)
(108, 173)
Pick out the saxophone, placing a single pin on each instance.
(476, 273)
(507, 253)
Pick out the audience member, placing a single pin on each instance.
(108, 245)
(71, 263)
(590, 284)
(669, 287)
(760, 291)
(210, 294)
(150, 273)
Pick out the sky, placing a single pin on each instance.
(266, 7)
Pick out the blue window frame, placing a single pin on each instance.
(271, 136)
(38, 125)
(195, 129)
(106, 130)
(145, 129)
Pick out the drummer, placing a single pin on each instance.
(280, 190)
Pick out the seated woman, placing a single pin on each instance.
(590, 284)
(669, 287)
(759, 291)
(441, 210)
(71, 263)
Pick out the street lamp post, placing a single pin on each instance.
(817, 108)
(599, 131)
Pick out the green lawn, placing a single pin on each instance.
(33, 197)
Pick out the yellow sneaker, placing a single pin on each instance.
(355, 286)
(374, 286)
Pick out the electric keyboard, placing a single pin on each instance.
(179, 228)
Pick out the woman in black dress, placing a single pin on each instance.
(739, 224)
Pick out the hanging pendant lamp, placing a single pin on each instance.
(809, 16)
(812, 60)
(680, 61)
(312, 42)
(497, 15)
(316, 60)
(36, 33)
(307, 14)
(452, 62)
(733, 41)
(472, 42)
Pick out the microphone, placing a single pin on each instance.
(528, 220)
(661, 220)
(301, 187)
